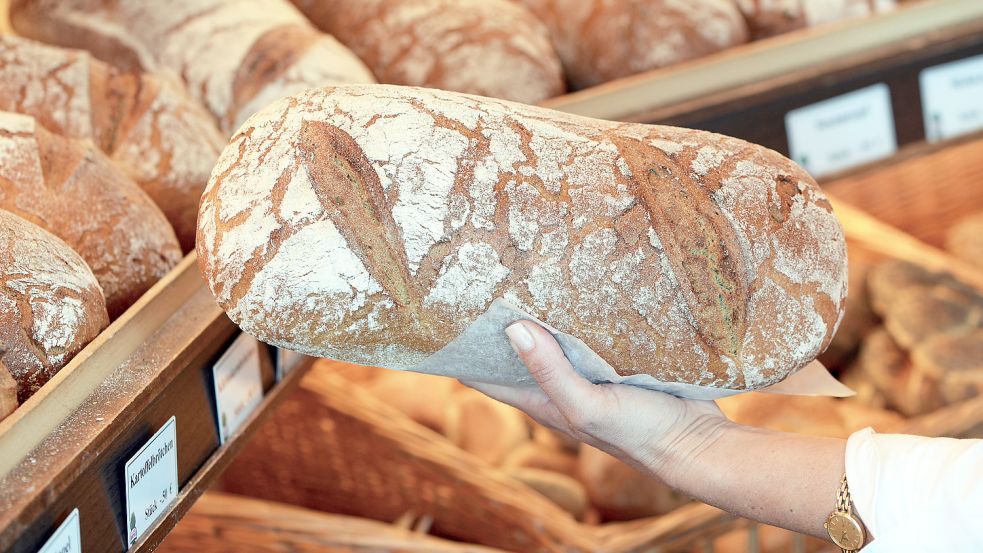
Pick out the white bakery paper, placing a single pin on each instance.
(482, 353)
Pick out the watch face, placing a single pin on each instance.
(845, 531)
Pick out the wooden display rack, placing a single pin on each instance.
(746, 91)
(67, 445)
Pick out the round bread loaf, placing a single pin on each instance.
(50, 303)
(75, 192)
(489, 47)
(601, 40)
(373, 224)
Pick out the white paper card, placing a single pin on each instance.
(151, 481)
(238, 384)
(286, 361)
(842, 132)
(952, 98)
(67, 538)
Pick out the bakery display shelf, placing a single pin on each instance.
(66, 447)
(746, 91)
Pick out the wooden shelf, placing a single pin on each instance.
(747, 90)
(66, 447)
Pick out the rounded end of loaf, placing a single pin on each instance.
(375, 223)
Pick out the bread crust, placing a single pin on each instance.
(50, 304)
(72, 190)
(147, 125)
(206, 42)
(601, 40)
(374, 224)
(491, 48)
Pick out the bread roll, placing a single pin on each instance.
(558, 488)
(50, 304)
(683, 254)
(889, 368)
(422, 397)
(888, 279)
(236, 56)
(8, 391)
(601, 40)
(75, 192)
(538, 456)
(484, 427)
(965, 239)
(915, 314)
(149, 126)
(554, 439)
(955, 362)
(489, 47)
(620, 492)
(771, 17)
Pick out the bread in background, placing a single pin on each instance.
(8, 391)
(618, 491)
(559, 488)
(965, 239)
(484, 427)
(535, 455)
(781, 16)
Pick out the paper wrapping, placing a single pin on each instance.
(482, 353)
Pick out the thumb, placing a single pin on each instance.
(565, 387)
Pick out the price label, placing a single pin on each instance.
(67, 538)
(952, 98)
(238, 384)
(842, 132)
(151, 481)
(286, 361)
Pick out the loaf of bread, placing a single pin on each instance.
(601, 40)
(486, 428)
(566, 492)
(373, 224)
(619, 491)
(74, 191)
(772, 17)
(235, 55)
(489, 47)
(422, 397)
(50, 304)
(535, 455)
(965, 240)
(149, 126)
(8, 391)
(858, 317)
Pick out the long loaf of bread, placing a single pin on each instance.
(158, 135)
(488, 47)
(601, 40)
(235, 55)
(50, 304)
(373, 224)
(74, 191)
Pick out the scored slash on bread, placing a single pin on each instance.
(374, 223)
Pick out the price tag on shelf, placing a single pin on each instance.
(238, 384)
(286, 361)
(67, 538)
(844, 131)
(952, 98)
(151, 481)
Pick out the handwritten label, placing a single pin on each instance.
(842, 132)
(67, 538)
(286, 361)
(952, 98)
(151, 481)
(238, 384)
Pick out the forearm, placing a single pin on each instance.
(782, 479)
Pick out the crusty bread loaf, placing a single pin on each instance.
(489, 47)
(601, 40)
(965, 239)
(149, 126)
(74, 191)
(771, 17)
(620, 492)
(858, 317)
(682, 254)
(235, 55)
(8, 391)
(50, 304)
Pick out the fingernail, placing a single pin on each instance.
(521, 339)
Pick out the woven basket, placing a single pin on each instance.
(221, 523)
(924, 193)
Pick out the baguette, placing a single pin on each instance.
(772, 17)
(601, 40)
(50, 304)
(489, 47)
(72, 190)
(149, 126)
(374, 224)
(234, 55)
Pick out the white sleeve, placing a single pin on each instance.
(917, 494)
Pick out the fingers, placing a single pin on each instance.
(570, 392)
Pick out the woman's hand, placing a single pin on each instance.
(648, 429)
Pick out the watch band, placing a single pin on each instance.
(844, 504)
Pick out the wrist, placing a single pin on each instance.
(676, 454)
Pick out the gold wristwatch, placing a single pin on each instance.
(845, 528)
